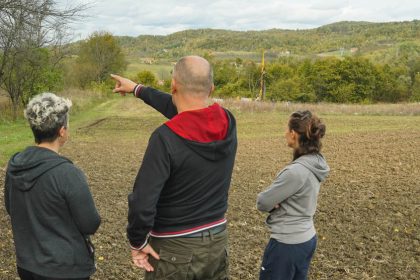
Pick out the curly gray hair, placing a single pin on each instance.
(46, 113)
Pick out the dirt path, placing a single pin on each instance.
(368, 214)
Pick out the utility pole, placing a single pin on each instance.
(261, 95)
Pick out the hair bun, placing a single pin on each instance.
(317, 129)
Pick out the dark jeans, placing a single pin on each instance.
(190, 258)
(27, 275)
(287, 261)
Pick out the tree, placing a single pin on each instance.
(284, 90)
(388, 87)
(251, 76)
(146, 77)
(27, 27)
(99, 56)
(224, 73)
(415, 91)
(30, 72)
(358, 80)
(413, 68)
(323, 77)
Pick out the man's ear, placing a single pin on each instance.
(211, 90)
(173, 86)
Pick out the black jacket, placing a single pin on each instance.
(182, 184)
(52, 214)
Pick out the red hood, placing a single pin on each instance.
(204, 125)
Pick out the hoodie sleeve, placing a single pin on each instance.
(287, 183)
(160, 101)
(150, 180)
(80, 202)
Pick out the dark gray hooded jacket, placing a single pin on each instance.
(52, 214)
(296, 190)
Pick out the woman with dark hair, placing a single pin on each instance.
(291, 201)
(48, 200)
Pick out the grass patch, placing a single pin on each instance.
(16, 135)
(13, 137)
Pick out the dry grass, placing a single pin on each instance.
(84, 98)
(400, 109)
(5, 107)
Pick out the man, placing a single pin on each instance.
(179, 199)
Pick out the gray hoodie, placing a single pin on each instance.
(52, 214)
(296, 190)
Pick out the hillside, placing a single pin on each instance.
(376, 39)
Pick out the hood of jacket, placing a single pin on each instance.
(26, 167)
(210, 132)
(316, 163)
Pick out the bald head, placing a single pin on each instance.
(193, 75)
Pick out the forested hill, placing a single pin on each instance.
(362, 37)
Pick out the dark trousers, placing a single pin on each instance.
(287, 261)
(190, 258)
(27, 275)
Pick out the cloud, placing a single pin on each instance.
(128, 17)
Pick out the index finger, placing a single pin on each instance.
(116, 77)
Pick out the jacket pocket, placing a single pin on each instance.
(173, 265)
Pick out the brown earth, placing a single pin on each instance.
(368, 212)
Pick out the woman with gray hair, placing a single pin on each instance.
(48, 199)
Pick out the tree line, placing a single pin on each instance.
(339, 80)
(336, 80)
(35, 57)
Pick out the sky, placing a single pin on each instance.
(162, 17)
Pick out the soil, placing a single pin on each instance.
(368, 210)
